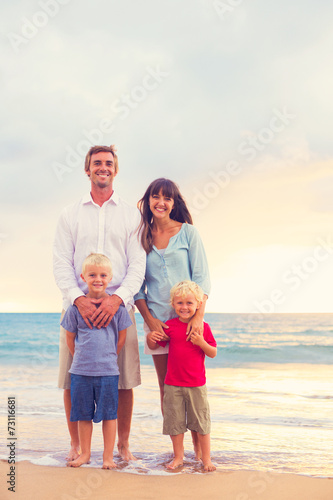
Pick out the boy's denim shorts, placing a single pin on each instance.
(94, 398)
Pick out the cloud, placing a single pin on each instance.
(223, 80)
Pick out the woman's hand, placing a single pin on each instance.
(154, 337)
(195, 325)
(157, 336)
(156, 325)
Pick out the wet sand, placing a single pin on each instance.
(35, 482)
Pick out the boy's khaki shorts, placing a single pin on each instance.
(185, 408)
(128, 359)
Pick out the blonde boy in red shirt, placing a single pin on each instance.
(185, 404)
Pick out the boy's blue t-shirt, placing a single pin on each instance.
(95, 349)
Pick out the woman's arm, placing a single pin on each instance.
(196, 323)
(154, 337)
(198, 260)
(154, 324)
(200, 274)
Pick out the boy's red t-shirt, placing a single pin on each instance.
(186, 362)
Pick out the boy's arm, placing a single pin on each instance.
(153, 339)
(199, 340)
(121, 340)
(70, 339)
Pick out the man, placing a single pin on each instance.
(102, 223)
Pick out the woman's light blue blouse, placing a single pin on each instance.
(183, 259)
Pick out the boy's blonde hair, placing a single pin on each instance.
(96, 259)
(184, 288)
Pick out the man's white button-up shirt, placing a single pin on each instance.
(112, 229)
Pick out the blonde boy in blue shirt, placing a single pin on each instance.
(94, 371)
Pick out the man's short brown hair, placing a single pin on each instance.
(101, 149)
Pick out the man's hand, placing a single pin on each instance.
(108, 307)
(87, 308)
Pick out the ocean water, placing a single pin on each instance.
(269, 387)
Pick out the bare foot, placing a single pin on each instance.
(73, 453)
(108, 464)
(81, 460)
(125, 453)
(176, 462)
(209, 467)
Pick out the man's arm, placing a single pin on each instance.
(136, 266)
(64, 271)
(63, 260)
(87, 308)
(103, 315)
(136, 263)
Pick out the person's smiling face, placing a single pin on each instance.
(160, 205)
(185, 306)
(102, 169)
(97, 279)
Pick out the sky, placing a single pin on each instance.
(230, 99)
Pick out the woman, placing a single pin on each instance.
(174, 253)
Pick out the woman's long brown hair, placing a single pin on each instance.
(179, 213)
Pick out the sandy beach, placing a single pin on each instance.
(33, 482)
(265, 417)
